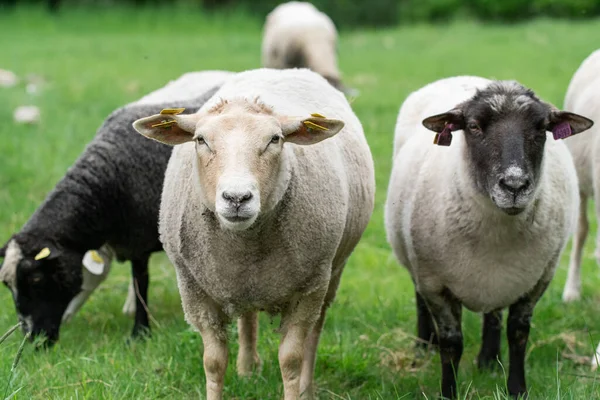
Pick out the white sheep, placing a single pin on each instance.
(297, 35)
(260, 213)
(582, 97)
(480, 223)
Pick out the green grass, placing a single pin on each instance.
(96, 61)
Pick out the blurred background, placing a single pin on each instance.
(353, 13)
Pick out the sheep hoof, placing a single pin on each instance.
(488, 363)
(571, 295)
(248, 367)
(139, 334)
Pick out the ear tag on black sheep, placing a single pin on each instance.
(444, 138)
(561, 131)
(93, 262)
(45, 252)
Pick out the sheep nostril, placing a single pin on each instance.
(514, 184)
(237, 197)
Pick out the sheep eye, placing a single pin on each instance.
(200, 140)
(275, 139)
(473, 127)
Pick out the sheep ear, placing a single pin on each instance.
(94, 262)
(564, 124)
(167, 127)
(47, 253)
(438, 122)
(311, 130)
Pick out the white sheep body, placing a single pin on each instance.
(582, 97)
(298, 29)
(327, 206)
(447, 234)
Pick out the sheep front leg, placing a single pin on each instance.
(204, 314)
(447, 313)
(297, 322)
(572, 290)
(215, 360)
(307, 388)
(517, 331)
(248, 359)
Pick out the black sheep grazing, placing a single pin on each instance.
(111, 195)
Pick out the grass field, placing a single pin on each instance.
(96, 61)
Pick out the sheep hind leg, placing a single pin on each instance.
(489, 354)
(248, 359)
(427, 336)
(297, 323)
(572, 290)
(141, 326)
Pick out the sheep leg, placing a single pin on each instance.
(215, 359)
(139, 268)
(447, 313)
(518, 325)
(248, 359)
(517, 331)
(572, 290)
(425, 326)
(307, 388)
(204, 314)
(297, 322)
(489, 355)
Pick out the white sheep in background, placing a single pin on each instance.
(262, 206)
(297, 35)
(481, 223)
(582, 97)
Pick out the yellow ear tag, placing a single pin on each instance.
(316, 115)
(96, 257)
(45, 252)
(315, 126)
(172, 111)
(165, 124)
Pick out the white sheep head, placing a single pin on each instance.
(240, 152)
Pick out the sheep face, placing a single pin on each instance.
(505, 129)
(240, 153)
(42, 282)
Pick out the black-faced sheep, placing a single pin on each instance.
(109, 197)
(480, 223)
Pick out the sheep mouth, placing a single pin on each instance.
(513, 210)
(237, 218)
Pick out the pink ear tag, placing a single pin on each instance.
(444, 138)
(561, 131)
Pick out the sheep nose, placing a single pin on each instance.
(238, 198)
(515, 184)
